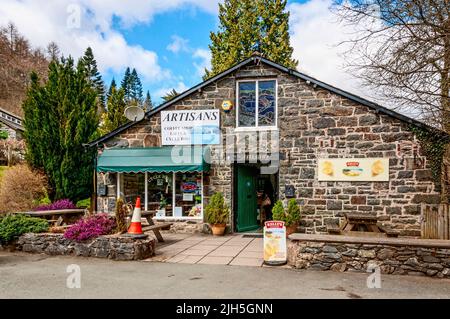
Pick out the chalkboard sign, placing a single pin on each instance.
(289, 191)
(101, 190)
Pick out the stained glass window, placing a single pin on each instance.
(262, 112)
(247, 104)
(266, 100)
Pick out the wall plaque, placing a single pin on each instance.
(353, 169)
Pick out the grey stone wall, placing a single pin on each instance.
(112, 247)
(392, 259)
(314, 123)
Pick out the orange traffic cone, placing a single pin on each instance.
(136, 226)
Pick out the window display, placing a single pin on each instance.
(133, 186)
(188, 195)
(160, 194)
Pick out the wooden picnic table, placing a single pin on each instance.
(58, 217)
(148, 215)
(356, 224)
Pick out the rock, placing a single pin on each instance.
(358, 200)
(339, 267)
(334, 205)
(367, 253)
(405, 174)
(319, 267)
(307, 173)
(424, 175)
(385, 254)
(323, 122)
(435, 266)
(301, 264)
(350, 253)
(329, 249)
(430, 259)
(412, 262)
(431, 272)
(369, 119)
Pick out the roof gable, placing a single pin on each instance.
(258, 59)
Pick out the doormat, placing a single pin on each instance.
(253, 236)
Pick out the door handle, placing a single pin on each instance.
(249, 196)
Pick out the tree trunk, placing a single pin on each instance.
(445, 102)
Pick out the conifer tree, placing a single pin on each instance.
(148, 104)
(59, 117)
(247, 26)
(126, 82)
(114, 117)
(94, 77)
(112, 85)
(135, 96)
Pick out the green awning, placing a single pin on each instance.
(154, 159)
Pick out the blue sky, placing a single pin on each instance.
(167, 41)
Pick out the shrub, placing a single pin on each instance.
(12, 226)
(84, 203)
(121, 215)
(278, 211)
(90, 227)
(59, 204)
(21, 189)
(291, 216)
(217, 211)
(293, 213)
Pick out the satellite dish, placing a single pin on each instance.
(134, 113)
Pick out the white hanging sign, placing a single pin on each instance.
(190, 127)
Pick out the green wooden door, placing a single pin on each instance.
(246, 199)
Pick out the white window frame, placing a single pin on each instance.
(256, 127)
(173, 198)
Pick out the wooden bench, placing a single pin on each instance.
(156, 229)
(148, 215)
(333, 229)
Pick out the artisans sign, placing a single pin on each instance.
(353, 169)
(190, 127)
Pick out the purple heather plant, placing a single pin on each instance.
(90, 227)
(59, 204)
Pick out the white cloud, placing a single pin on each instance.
(53, 20)
(179, 87)
(315, 33)
(178, 44)
(204, 56)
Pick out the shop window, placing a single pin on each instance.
(160, 194)
(256, 104)
(133, 186)
(188, 195)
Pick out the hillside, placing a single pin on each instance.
(17, 60)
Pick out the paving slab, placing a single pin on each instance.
(251, 254)
(190, 260)
(244, 261)
(215, 260)
(195, 252)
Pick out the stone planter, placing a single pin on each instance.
(111, 246)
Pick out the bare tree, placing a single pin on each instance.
(401, 50)
(17, 60)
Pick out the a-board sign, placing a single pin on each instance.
(275, 251)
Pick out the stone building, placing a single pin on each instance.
(331, 150)
(11, 124)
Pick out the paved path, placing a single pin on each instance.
(237, 250)
(41, 276)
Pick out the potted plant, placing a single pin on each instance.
(290, 216)
(216, 213)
